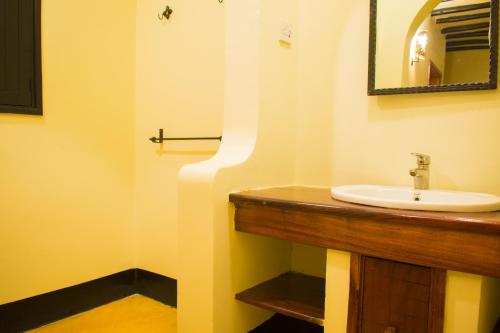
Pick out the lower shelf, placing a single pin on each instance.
(283, 324)
(291, 294)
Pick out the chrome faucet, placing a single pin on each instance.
(421, 173)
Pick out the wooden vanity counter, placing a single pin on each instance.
(467, 242)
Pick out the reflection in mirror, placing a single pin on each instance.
(433, 45)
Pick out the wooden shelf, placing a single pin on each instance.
(283, 324)
(292, 294)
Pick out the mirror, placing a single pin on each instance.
(432, 46)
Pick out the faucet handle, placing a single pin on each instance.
(422, 159)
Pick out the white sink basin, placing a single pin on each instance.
(408, 198)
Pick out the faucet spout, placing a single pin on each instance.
(421, 173)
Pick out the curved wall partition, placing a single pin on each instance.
(257, 150)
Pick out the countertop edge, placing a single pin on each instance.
(462, 221)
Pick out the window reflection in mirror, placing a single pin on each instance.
(426, 43)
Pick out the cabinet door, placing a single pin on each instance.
(392, 297)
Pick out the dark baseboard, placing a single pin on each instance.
(40, 310)
(496, 329)
(156, 286)
(283, 324)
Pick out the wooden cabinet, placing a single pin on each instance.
(393, 297)
(385, 297)
(465, 242)
(398, 258)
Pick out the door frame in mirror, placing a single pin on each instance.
(491, 84)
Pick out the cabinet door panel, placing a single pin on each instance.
(393, 297)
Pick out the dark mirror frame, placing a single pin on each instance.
(491, 84)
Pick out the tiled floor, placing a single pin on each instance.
(134, 314)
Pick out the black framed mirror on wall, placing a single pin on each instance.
(420, 46)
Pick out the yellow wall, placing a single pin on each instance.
(337, 291)
(435, 52)
(463, 298)
(66, 180)
(310, 260)
(367, 140)
(391, 42)
(361, 139)
(489, 309)
(180, 88)
(467, 66)
(472, 303)
(292, 114)
(419, 18)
